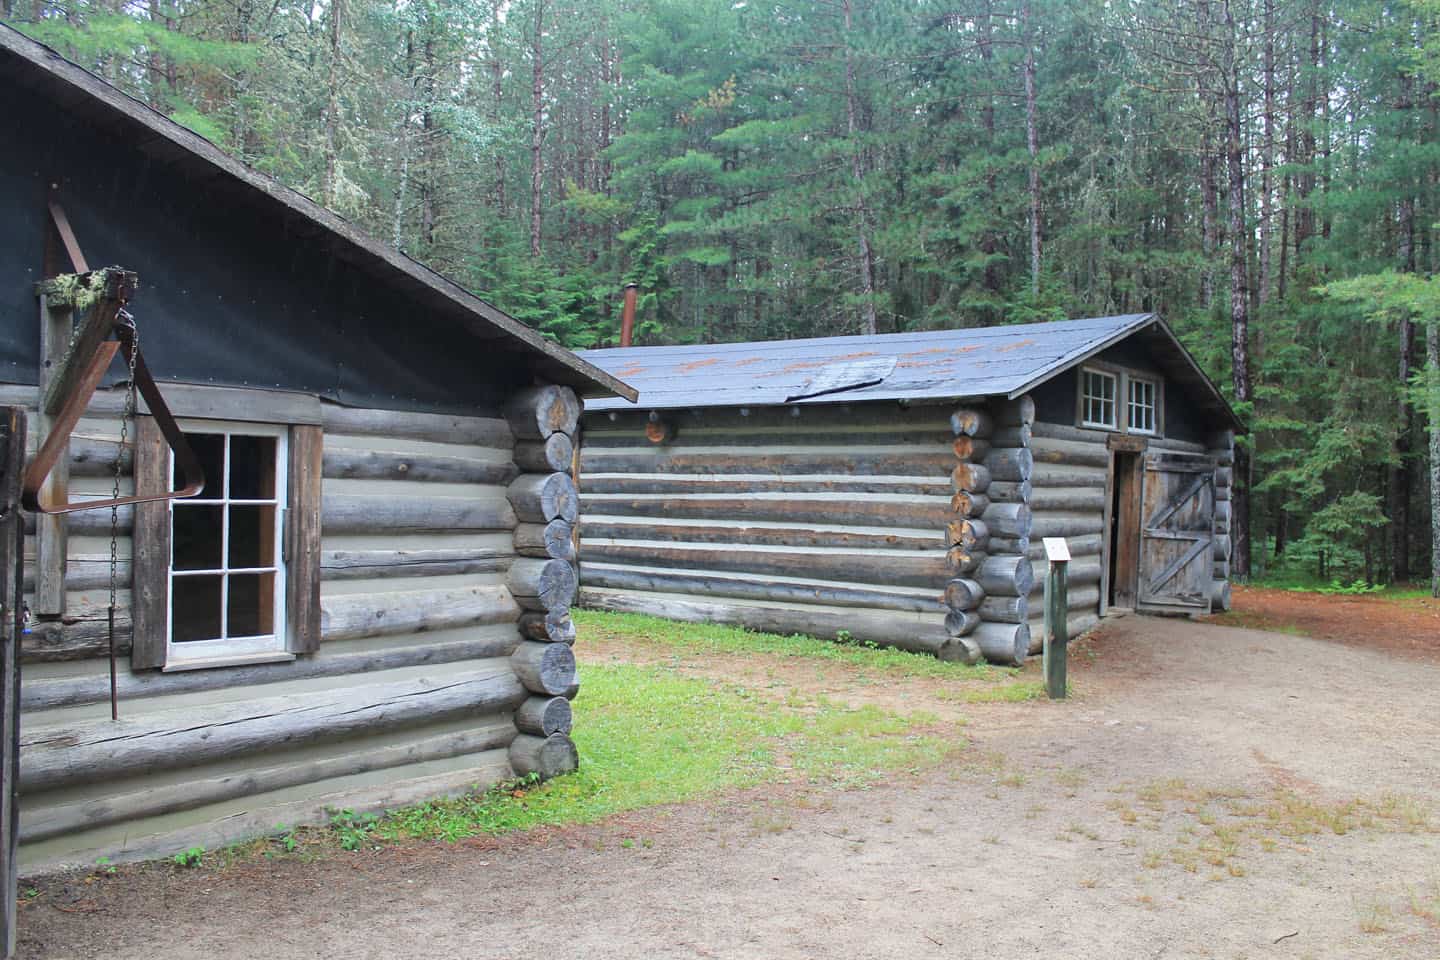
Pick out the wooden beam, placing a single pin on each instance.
(12, 440)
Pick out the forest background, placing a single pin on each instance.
(1265, 174)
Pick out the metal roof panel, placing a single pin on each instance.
(927, 365)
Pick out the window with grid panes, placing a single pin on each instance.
(1140, 417)
(227, 574)
(1097, 399)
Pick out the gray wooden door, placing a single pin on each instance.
(12, 458)
(1177, 539)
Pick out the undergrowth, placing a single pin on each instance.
(648, 736)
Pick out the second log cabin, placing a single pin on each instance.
(896, 488)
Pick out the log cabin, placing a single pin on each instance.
(896, 489)
(366, 600)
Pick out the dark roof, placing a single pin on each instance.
(929, 365)
(28, 63)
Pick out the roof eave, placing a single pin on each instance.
(554, 359)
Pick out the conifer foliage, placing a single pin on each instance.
(1263, 173)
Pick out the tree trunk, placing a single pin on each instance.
(429, 140)
(1267, 153)
(866, 254)
(1432, 364)
(1239, 287)
(1032, 142)
(1399, 478)
(497, 94)
(332, 105)
(537, 132)
(1209, 220)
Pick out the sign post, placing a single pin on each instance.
(1057, 603)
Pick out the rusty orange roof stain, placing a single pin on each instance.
(629, 371)
(747, 361)
(697, 364)
(851, 356)
(1015, 346)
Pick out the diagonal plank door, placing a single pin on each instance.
(1177, 541)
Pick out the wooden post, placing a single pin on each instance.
(1056, 606)
(12, 460)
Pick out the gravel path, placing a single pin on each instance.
(1210, 792)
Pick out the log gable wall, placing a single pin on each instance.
(415, 690)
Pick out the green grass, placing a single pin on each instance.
(700, 638)
(1296, 581)
(648, 736)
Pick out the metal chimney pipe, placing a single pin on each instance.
(627, 315)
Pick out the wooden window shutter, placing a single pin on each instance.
(302, 541)
(150, 566)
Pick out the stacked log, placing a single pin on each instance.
(544, 579)
(1068, 500)
(1222, 447)
(1004, 575)
(966, 533)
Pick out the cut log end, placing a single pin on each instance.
(544, 716)
(538, 412)
(554, 454)
(1003, 643)
(547, 668)
(544, 757)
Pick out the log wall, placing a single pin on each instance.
(1068, 500)
(829, 520)
(417, 689)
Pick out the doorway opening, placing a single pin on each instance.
(1124, 530)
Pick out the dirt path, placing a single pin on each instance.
(1410, 626)
(1210, 792)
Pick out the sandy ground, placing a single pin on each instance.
(1410, 627)
(1185, 803)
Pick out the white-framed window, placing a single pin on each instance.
(1098, 391)
(1141, 404)
(227, 570)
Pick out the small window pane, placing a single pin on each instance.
(1097, 407)
(194, 608)
(1141, 408)
(251, 606)
(196, 533)
(252, 537)
(210, 451)
(252, 468)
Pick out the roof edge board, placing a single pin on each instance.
(89, 86)
(1140, 323)
(1146, 320)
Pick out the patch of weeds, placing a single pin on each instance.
(1374, 917)
(991, 839)
(1018, 691)
(284, 838)
(1224, 824)
(103, 865)
(353, 829)
(1013, 779)
(1425, 903)
(190, 858)
(31, 893)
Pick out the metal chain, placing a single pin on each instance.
(126, 415)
